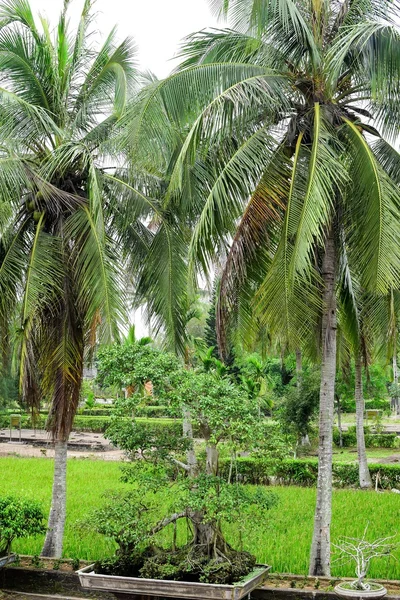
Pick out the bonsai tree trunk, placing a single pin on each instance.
(54, 538)
(211, 459)
(364, 476)
(320, 548)
(207, 534)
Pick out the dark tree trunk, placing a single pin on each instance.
(320, 548)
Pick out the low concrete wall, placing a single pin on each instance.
(61, 583)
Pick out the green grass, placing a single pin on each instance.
(283, 540)
(350, 454)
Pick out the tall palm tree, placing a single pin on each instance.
(289, 179)
(63, 210)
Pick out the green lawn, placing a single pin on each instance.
(350, 454)
(282, 541)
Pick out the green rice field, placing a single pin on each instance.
(283, 540)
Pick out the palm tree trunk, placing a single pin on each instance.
(395, 380)
(299, 366)
(364, 476)
(320, 548)
(305, 440)
(339, 421)
(54, 538)
(188, 433)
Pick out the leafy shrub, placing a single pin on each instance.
(19, 518)
(348, 405)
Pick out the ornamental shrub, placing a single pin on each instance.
(19, 518)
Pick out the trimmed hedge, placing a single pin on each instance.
(372, 440)
(100, 424)
(304, 473)
(348, 405)
(93, 424)
(141, 411)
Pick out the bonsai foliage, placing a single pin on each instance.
(362, 553)
(19, 518)
(223, 415)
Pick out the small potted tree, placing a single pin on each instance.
(362, 552)
(19, 518)
(168, 490)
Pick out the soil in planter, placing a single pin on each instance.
(189, 563)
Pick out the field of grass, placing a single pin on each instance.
(282, 541)
(350, 454)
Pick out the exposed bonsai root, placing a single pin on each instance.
(188, 563)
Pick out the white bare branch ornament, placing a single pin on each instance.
(362, 552)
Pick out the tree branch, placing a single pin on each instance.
(179, 463)
(167, 521)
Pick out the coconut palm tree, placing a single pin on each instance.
(65, 210)
(285, 175)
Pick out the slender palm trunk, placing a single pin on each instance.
(339, 421)
(320, 548)
(364, 476)
(188, 433)
(305, 440)
(299, 366)
(55, 533)
(396, 407)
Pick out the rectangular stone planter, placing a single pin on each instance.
(6, 560)
(136, 586)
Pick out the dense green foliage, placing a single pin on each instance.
(19, 518)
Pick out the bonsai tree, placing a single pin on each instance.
(361, 552)
(19, 518)
(222, 415)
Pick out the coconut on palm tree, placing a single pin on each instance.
(285, 173)
(65, 212)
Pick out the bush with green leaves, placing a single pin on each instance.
(133, 365)
(372, 440)
(298, 408)
(19, 518)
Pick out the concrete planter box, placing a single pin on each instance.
(6, 560)
(136, 586)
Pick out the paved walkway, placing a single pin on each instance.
(38, 443)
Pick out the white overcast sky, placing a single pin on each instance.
(157, 26)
